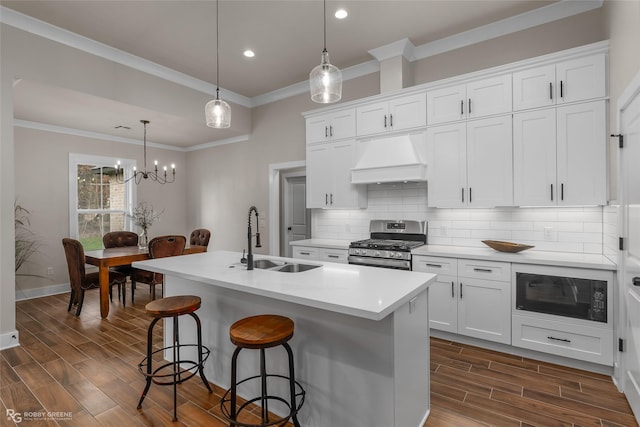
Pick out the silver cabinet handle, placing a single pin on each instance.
(304, 253)
(331, 198)
(460, 290)
(483, 270)
(326, 198)
(390, 120)
(333, 256)
(453, 292)
(433, 265)
(330, 130)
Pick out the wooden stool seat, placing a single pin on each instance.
(173, 306)
(263, 331)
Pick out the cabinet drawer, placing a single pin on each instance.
(564, 339)
(302, 252)
(334, 255)
(488, 270)
(435, 265)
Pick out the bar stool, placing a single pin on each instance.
(178, 370)
(259, 333)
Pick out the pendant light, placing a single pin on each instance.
(325, 79)
(217, 112)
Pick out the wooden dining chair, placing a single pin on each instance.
(159, 247)
(79, 280)
(119, 239)
(200, 237)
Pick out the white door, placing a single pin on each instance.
(297, 218)
(534, 87)
(581, 79)
(446, 105)
(484, 309)
(319, 179)
(489, 96)
(629, 175)
(443, 304)
(372, 118)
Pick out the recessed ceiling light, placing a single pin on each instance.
(341, 14)
(249, 53)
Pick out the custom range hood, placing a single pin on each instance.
(396, 158)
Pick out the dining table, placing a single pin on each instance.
(125, 255)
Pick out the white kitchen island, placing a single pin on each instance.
(361, 340)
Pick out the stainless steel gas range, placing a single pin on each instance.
(390, 244)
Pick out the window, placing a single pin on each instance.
(97, 202)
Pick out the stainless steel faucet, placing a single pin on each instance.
(249, 235)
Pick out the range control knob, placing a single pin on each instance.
(376, 253)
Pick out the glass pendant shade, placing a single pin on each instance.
(218, 114)
(326, 81)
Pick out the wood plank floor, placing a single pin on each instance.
(87, 367)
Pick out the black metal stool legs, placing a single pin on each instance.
(176, 374)
(149, 353)
(292, 384)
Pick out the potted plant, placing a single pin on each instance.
(26, 241)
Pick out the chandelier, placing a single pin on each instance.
(154, 175)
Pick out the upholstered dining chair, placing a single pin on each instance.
(79, 280)
(200, 237)
(119, 239)
(159, 247)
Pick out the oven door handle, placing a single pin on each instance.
(380, 262)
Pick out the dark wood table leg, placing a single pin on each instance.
(104, 291)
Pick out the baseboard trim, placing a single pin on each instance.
(10, 339)
(25, 294)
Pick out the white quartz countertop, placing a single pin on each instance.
(563, 259)
(322, 243)
(368, 292)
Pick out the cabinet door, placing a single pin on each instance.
(305, 252)
(581, 79)
(319, 178)
(334, 255)
(489, 96)
(581, 153)
(534, 87)
(317, 129)
(534, 158)
(484, 309)
(443, 304)
(342, 124)
(372, 118)
(447, 165)
(490, 162)
(344, 194)
(446, 105)
(408, 112)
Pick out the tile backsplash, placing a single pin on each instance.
(564, 229)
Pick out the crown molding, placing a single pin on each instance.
(225, 141)
(85, 44)
(88, 134)
(543, 15)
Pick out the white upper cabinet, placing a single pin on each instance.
(329, 176)
(559, 155)
(478, 98)
(401, 113)
(331, 126)
(574, 80)
(470, 164)
(582, 153)
(534, 158)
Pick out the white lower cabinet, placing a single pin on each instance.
(469, 297)
(562, 338)
(321, 254)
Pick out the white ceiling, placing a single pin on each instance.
(286, 36)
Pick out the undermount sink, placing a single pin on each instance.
(296, 268)
(281, 266)
(266, 263)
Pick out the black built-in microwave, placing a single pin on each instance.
(562, 296)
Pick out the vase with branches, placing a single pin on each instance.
(144, 216)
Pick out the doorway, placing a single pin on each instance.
(296, 224)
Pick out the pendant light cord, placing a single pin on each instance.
(324, 17)
(217, 53)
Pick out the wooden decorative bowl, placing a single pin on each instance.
(506, 246)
